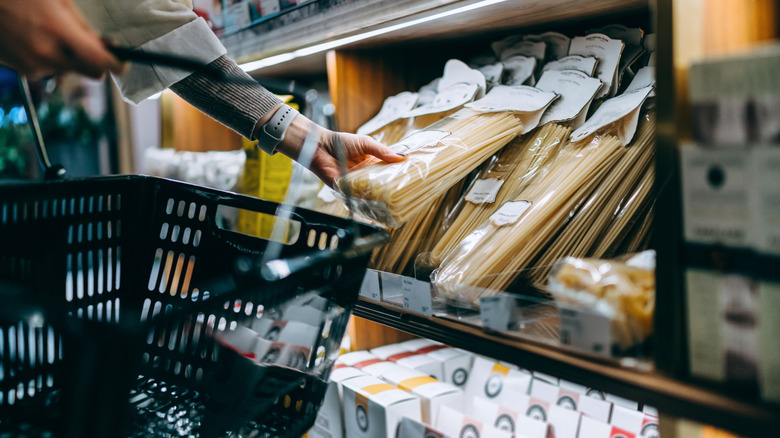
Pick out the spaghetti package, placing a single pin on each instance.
(441, 155)
(621, 290)
(492, 257)
(391, 123)
(516, 164)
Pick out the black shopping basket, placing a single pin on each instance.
(130, 311)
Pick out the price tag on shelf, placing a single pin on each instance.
(392, 285)
(370, 286)
(417, 296)
(498, 312)
(585, 330)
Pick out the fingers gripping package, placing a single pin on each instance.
(442, 154)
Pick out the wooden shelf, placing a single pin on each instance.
(317, 23)
(672, 396)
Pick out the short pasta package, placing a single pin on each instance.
(441, 155)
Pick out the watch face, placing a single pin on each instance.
(362, 418)
(505, 422)
(493, 385)
(469, 431)
(537, 413)
(459, 377)
(650, 431)
(567, 402)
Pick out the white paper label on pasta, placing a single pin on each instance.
(534, 49)
(518, 69)
(517, 98)
(417, 141)
(575, 90)
(611, 111)
(448, 99)
(484, 191)
(608, 52)
(427, 93)
(557, 44)
(394, 108)
(585, 64)
(457, 72)
(645, 77)
(631, 35)
(327, 195)
(509, 213)
(492, 72)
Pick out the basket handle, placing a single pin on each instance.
(50, 172)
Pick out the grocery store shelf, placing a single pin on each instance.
(385, 21)
(681, 399)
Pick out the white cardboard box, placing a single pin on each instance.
(593, 428)
(422, 343)
(360, 358)
(456, 365)
(458, 424)
(638, 423)
(385, 352)
(424, 364)
(374, 408)
(569, 395)
(329, 423)
(565, 422)
(620, 401)
(415, 429)
(532, 428)
(501, 417)
(433, 394)
(496, 382)
(379, 369)
(595, 408)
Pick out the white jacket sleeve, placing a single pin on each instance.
(163, 26)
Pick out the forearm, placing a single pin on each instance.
(238, 105)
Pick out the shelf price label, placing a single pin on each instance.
(585, 330)
(417, 296)
(499, 312)
(370, 286)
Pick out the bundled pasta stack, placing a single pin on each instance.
(395, 192)
(604, 218)
(393, 132)
(518, 163)
(492, 257)
(416, 236)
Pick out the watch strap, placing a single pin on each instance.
(272, 133)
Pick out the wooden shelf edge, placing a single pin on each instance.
(669, 395)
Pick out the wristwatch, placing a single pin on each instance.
(272, 133)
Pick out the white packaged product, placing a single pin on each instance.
(433, 394)
(457, 424)
(374, 409)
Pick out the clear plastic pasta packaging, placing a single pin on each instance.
(443, 154)
(621, 290)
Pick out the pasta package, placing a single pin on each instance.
(515, 166)
(492, 257)
(621, 290)
(440, 156)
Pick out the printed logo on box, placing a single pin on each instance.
(505, 422)
(537, 410)
(494, 385)
(469, 431)
(459, 376)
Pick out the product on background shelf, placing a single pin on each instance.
(440, 156)
(391, 124)
(373, 408)
(623, 291)
(517, 164)
(492, 257)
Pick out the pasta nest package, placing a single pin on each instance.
(621, 290)
(443, 154)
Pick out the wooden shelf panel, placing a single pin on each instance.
(681, 399)
(315, 24)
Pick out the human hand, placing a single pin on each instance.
(324, 162)
(44, 37)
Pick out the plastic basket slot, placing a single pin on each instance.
(323, 241)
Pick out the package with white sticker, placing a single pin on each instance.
(433, 394)
(585, 64)
(509, 213)
(527, 103)
(455, 364)
(557, 44)
(374, 408)
(379, 369)
(329, 422)
(493, 74)
(393, 108)
(517, 45)
(518, 70)
(458, 85)
(619, 115)
(514, 167)
(496, 382)
(427, 93)
(575, 91)
(645, 77)
(410, 428)
(501, 417)
(607, 51)
(633, 37)
(457, 424)
(393, 193)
